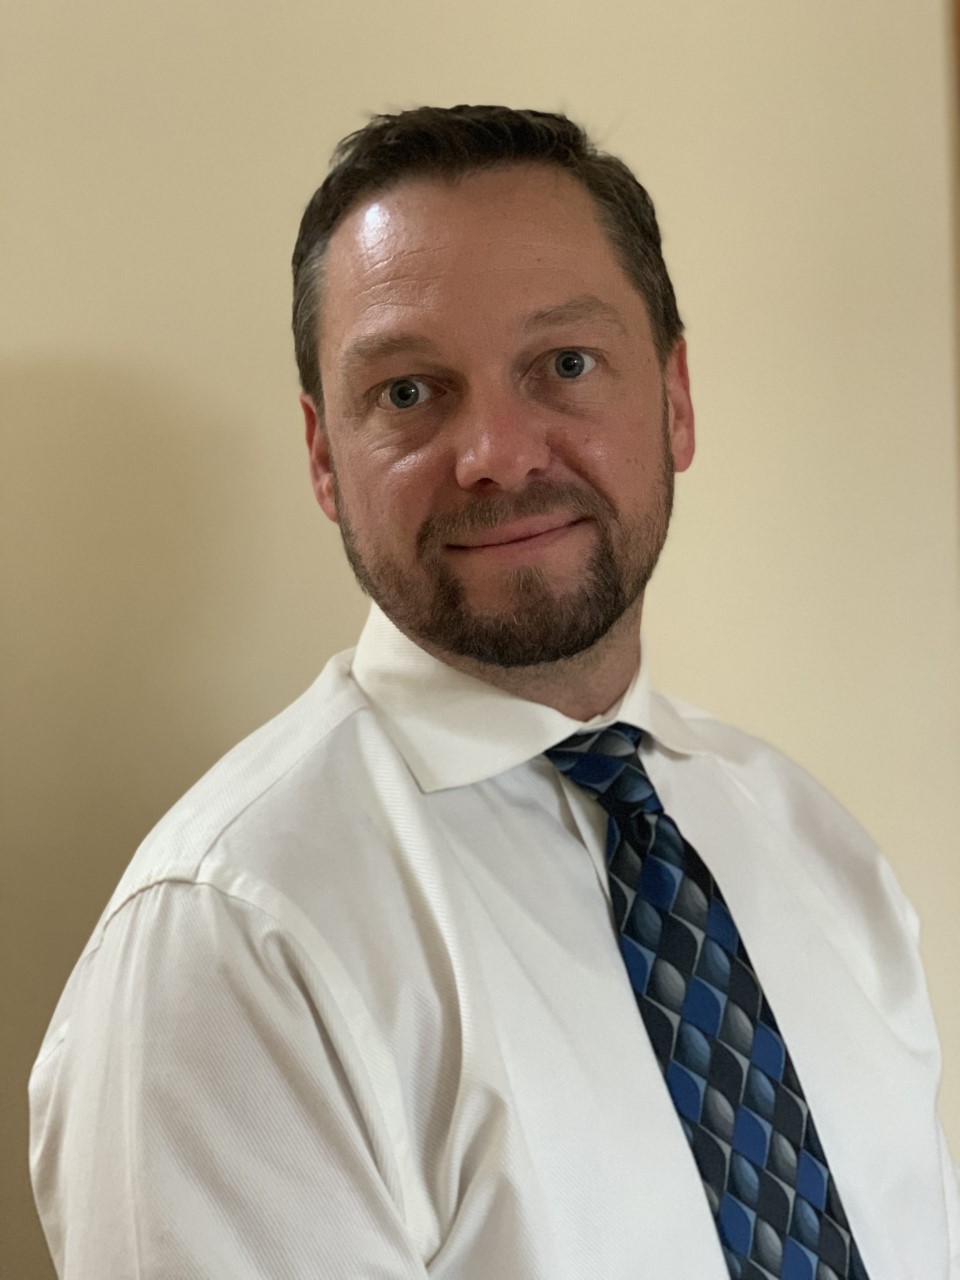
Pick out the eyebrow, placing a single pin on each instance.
(584, 307)
(378, 346)
(369, 348)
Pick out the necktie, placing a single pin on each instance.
(734, 1086)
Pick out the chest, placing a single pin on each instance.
(538, 1135)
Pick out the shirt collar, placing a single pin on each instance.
(453, 730)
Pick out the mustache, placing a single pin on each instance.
(538, 499)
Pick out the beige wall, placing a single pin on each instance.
(167, 581)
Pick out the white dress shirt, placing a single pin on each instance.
(357, 1009)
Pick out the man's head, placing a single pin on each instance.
(448, 142)
(496, 394)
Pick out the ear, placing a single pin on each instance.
(676, 379)
(321, 466)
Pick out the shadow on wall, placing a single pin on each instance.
(133, 521)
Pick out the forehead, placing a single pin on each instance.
(476, 207)
(488, 248)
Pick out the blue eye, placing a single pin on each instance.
(572, 364)
(404, 393)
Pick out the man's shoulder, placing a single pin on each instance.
(790, 804)
(753, 760)
(266, 789)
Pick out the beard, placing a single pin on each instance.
(541, 625)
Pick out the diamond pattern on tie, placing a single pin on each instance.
(726, 1067)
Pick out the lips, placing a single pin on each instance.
(516, 531)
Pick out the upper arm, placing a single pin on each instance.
(951, 1188)
(196, 1119)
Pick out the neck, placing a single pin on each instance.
(580, 687)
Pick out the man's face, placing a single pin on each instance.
(497, 440)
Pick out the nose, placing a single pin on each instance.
(501, 443)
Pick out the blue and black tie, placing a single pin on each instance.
(741, 1105)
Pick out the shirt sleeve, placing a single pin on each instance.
(951, 1186)
(194, 1119)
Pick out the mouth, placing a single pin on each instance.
(534, 531)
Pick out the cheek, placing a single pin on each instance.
(386, 497)
(622, 458)
(606, 452)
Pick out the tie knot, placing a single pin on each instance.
(606, 762)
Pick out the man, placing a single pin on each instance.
(483, 959)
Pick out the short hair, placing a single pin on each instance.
(448, 143)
